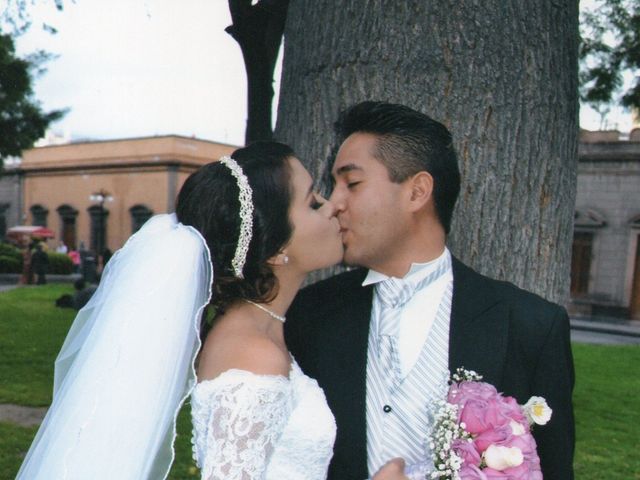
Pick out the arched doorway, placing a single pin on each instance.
(68, 216)
(98, 228)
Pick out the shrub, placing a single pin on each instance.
(8, 250)
(59, 264)
(10, 265)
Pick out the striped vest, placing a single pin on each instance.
(407, 404)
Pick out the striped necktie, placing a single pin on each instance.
(393, 293)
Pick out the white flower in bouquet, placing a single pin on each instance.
(537, 411)
(501, 458)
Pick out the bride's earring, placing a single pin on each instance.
(285, 260)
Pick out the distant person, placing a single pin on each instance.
(80, 298)
(74, 255)
(27, 271)
(62, 248)
(40, 264)
(83, 293)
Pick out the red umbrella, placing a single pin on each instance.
(20, 231)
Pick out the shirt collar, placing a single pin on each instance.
(416, 272)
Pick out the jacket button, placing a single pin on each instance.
(386, 409)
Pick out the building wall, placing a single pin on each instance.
(144, 171)
(128, 188)
(613, 189)
(10, 199)
(609, 186)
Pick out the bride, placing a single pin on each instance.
(225, 267)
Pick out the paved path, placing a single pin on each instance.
(605, 331)
(20, 415)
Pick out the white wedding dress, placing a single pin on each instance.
(248, 426)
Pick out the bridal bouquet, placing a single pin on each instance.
(480, 434)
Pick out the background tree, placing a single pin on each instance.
(609, 49)
(258, 30)
(15, 15)
(22, 121)
(502, 76)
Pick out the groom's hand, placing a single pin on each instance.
(392, 470)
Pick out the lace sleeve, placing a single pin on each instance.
(237, 419)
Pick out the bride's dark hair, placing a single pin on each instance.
(209, 202)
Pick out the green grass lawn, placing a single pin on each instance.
(607, 408)
(32, 330)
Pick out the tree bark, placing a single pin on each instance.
(502, 75)
(258, 30)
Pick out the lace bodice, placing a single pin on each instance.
(248, 426)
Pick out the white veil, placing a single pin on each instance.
(126, 365)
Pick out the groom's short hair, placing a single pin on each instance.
(408, 142)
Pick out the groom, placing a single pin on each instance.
(378, 339)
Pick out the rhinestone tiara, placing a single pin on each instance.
(246, 214)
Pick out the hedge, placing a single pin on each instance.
(10, 265)
(11, 261)
(8, 250)
(59, 264)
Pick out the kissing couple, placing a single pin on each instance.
(337, 380)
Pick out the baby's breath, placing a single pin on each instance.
(446, 430)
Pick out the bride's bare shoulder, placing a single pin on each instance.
(230, 346)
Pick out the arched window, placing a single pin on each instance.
(139, 215)
(39, 215)
(68, 216)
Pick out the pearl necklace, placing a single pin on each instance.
(267, 311)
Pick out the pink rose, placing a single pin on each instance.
(530, 467)
(467, 451)
(527, 444)
(480, 415)
(493, 436)
(459, 393)
(472, 472)
(492, 474)
(525, 471)
(510, 409)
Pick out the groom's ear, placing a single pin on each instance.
(420, 188)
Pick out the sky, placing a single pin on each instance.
(141, 68)
(136, 68)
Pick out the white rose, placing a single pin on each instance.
(501, 458)
(516, 428)
(537, 410)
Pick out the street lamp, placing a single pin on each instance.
(101, 197)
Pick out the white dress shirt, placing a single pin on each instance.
(418, 313)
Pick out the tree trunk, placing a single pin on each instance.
(502, 75)
(258, 30)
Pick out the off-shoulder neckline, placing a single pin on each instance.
(247, 373)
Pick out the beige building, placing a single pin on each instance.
(97, 194)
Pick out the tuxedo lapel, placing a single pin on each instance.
(345, 389)
(479, 325)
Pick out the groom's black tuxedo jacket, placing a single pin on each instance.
(515, 339)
